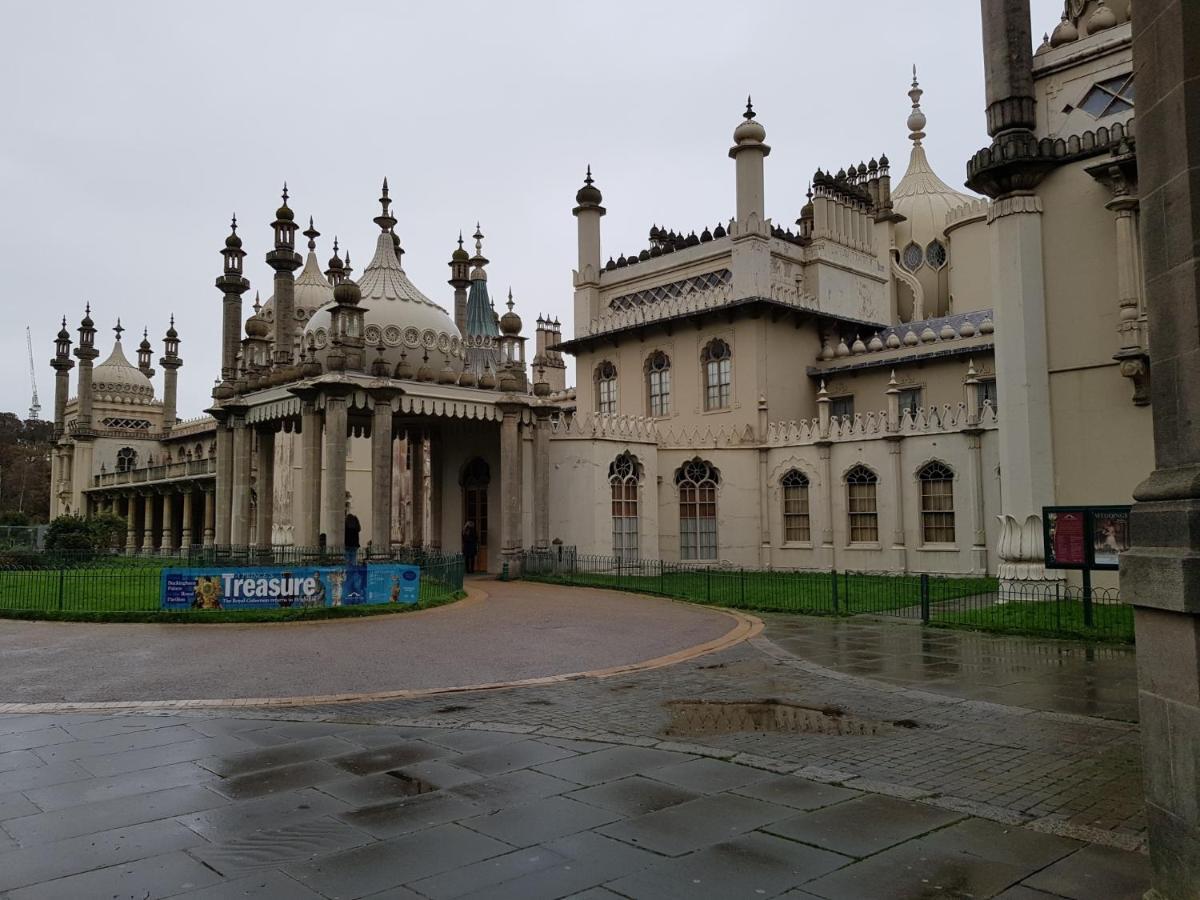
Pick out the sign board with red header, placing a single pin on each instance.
(1085, 537)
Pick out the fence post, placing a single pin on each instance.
(742, 573)
(925, 598)
(662, 577)
(1088, 618)
(833, 585)
(708, 584)
(61, 576)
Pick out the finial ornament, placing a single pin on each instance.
(460, 239)
(510, 299)
(285, 194)
(233, 224)
(916, 118)
(257, 304)
(385, 220)
(587, 179)
(749, 113)
(312, 234)
(118, 329)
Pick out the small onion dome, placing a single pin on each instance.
(257, 326)
(171, 332)
(719, 231)
(425, 372)
(487, 380)
(404, 368)
(346, 293)
(145, 344)
(589, 194)
(510, 322)
(284, 212)
(1101, 18)
(87, 322)
(749, 131)
(467, 379)
(460, 255)
(1044, 46)
(447, 375)
(986, 326)
(508, 381)
(63, 334)
(233, 242)
(1064, 32)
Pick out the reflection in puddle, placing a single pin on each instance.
(694, 717)
(411, 786)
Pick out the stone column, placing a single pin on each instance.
(1023, 383)
(419, 494)
(307, 518)
(210, 514)
(223, 487)
(148, 522)
(239, 527)
(131, 541)
(185, 534)
(266, 487)
(334, 512)
(541, 480)
(1161, 574)
(899, 547)
(435, 492)
(510, 487)
(381, 470)
(825, 452)
(167, 543)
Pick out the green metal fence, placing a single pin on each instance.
(89, 581)
(1053, 609)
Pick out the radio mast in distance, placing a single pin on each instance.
(35, 408)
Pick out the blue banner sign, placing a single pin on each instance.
(284, 587)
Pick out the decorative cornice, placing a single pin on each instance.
(1014, 205)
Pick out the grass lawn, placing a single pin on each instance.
(1110, 622)
(803, 592)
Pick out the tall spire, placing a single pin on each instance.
(385, 220)
(312, 234)
(118, 329)
(749, 113)
(916, 118)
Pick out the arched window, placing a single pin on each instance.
(717, 360)
(935, 253)
(606, 388)
(658, 384)
(861, 508)
(623, 476)
(912, 257)
(126, 459)
(937, 503)
(697, 482)
(198, 452)
(795, 507)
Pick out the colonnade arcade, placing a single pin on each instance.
(443, 453)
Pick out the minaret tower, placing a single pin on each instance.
(460, 280)
(144, 354)
(62, 364)
(81, 431)
(588, 213)
(170, 362)
(750, 232)
(232, 284)
(285, 261)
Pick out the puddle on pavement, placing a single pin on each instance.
(696, 717)
(411, 786)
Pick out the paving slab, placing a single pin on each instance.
(708, 776)
(272, 847)
(606, 765)
(109, 814)
(753, 866)
(412, 814)
(154, 876)
(488, 873)
(388, 864)
(50, 861)
(262, 813)
(864, 825)
(152, 757)
(280, 778)
(259, 886)
(270, 757)
(540, 821)
(511, 788)
(143, 781)
(1095, 873)
(510, 756)
(796, 792)
(697, 823)
(389, 756)
(634, 796)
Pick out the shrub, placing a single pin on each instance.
(79, 533)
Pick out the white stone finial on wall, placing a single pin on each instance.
(916, 118)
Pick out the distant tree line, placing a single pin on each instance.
(25, 447)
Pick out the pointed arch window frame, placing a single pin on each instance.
(605, 380)
(697, 481)
(624, 484)
(862, 505)
(716, 368)
(658, 384)
(936, 503)
(794, 488)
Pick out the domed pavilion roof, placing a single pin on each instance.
(116, 380)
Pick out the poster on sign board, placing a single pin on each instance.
(286, 587)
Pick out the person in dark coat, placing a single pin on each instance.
(351, 542)
(470, 546)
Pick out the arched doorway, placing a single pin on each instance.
(475, 480)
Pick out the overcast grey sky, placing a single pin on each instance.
(133, 130)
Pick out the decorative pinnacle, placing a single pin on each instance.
(312, 234)
(460, 239)
(916, 118)
(172, 322)
(335, 246)
(510, 299)
(233, 224)
(749, 113)
(257, 304)
(587, 179)
(87, 310)
(478, 235)
(118, 329)
(285, 193)
(385, 220)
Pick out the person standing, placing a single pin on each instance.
(470, 546)
(353, 527)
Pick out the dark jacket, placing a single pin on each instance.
(352, 530)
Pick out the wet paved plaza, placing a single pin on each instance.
(597, 787)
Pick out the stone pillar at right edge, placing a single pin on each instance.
(1160, 575)
(1022, 385)
(510, 487)
(541, 480)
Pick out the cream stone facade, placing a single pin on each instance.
(900, 380)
